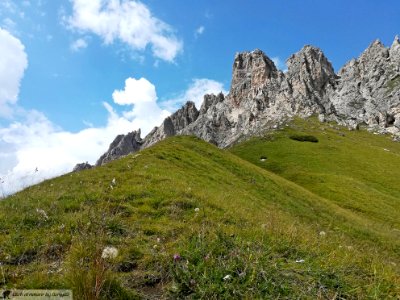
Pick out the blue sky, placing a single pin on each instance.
(75, 73)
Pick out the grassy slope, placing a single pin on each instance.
(251, 225)
(356, 170)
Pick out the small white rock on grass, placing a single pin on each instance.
(227, 277)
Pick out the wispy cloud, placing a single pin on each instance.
(280, 64)
(79, 44)
(199, 31)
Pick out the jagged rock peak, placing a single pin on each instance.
(395, 48)
(173, 124)
(309, 75)
(184, 116)
(209, 100)
(251, 71)
(311, 60)
(254, 67)
(122, 145)
(375, 51)
(366, 91)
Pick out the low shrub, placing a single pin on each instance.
(304, 138)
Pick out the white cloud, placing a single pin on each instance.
(78, 45)
(34, 142)
(38, 143)
(195, 92)
(13, 62)
(145, 112)
(129, 21)
(135, 92)
(199, 31)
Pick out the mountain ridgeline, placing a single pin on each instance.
(365, 92)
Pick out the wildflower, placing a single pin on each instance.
(322, 233)
(155, 247)
(113, 182)
(177, 257)
(197, 209)
(300, 261)
(109, 253)
(158, 240)
(42, 213)
(227, 277)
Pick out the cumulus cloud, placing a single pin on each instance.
(145, 112)
(13, 62)
(78, 45)
(195, 92)
(129, 21)
(33, 148)
(135, 92)
(36, 149)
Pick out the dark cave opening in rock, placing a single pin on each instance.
(390, 119)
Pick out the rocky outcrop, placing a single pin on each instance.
(121, 146)
(82, 166)
(132, 142)
(366, 91)
(173, 124)
(262, 97)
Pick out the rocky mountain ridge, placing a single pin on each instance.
(366, 91)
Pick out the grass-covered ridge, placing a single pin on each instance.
(191, 220)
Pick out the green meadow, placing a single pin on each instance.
(310, 211)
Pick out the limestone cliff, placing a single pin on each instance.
(366, 91)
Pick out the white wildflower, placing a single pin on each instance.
(227, 277)
(299, 261)
(42, 213)
(109, 253)
(197, 209)
(322, 233)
